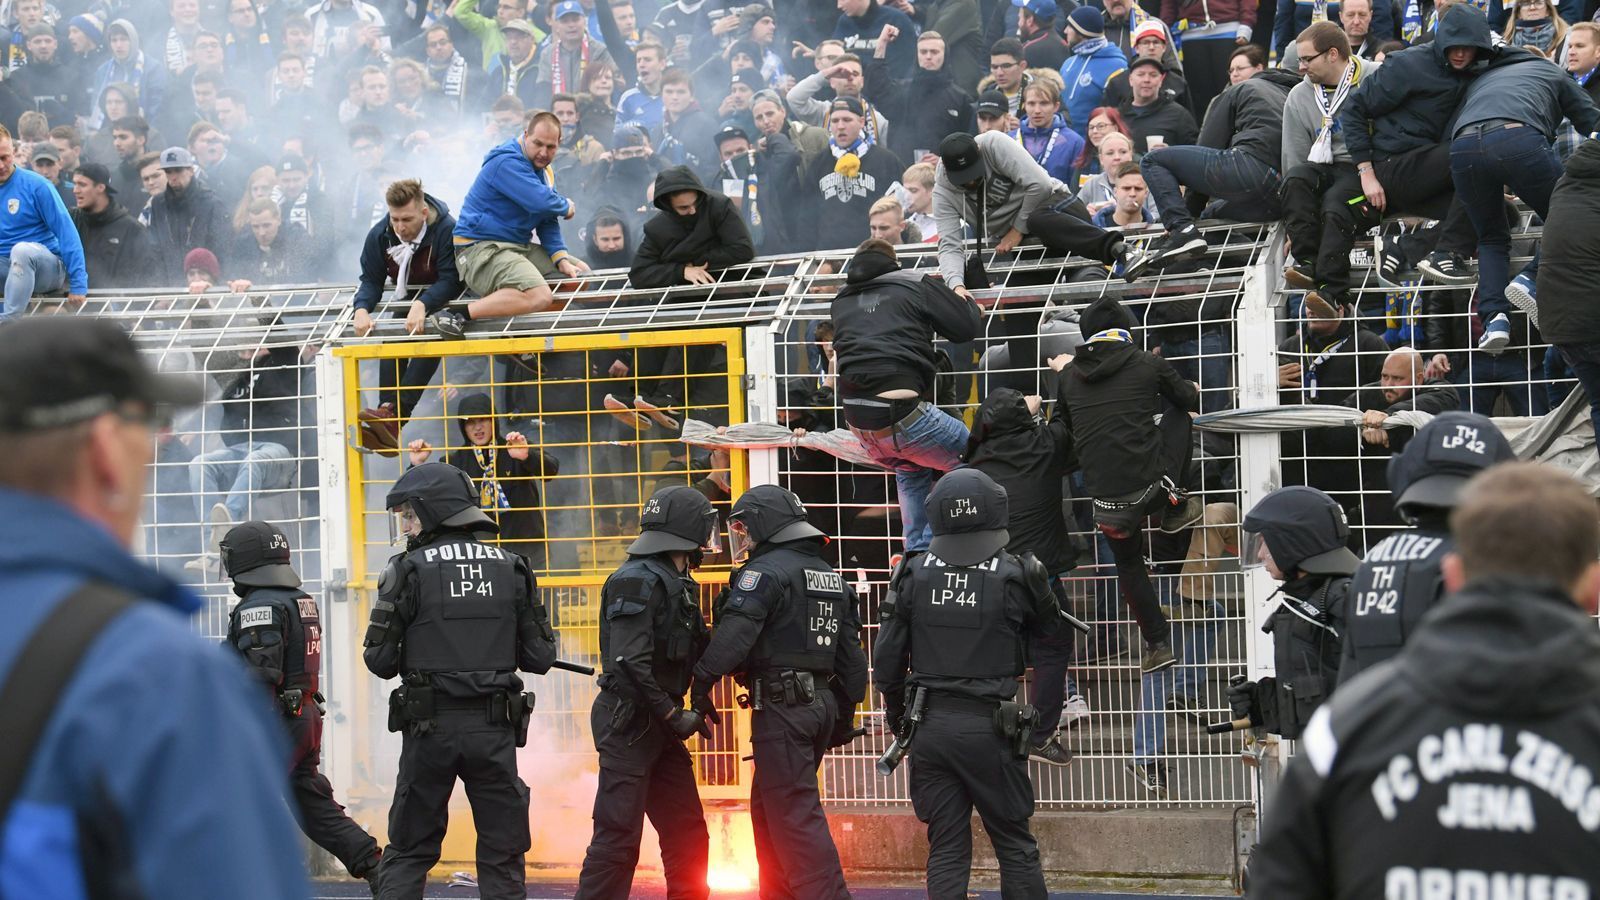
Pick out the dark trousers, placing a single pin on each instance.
(1584, 359)
(1418, 182)
(321, 817)
(1050, 655)
(644, 771)
(1321, 221)
(793, 847)
(1483, 164)
(461, 745)
(1205, 67)
(402, 381)
(1247, 186)
(961, 764)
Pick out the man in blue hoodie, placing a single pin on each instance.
(158, 767)
(1093, 63)
(514, 196)
(37, 237)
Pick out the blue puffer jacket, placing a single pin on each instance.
(1085, 77)
(162, 753)
(1061, 155)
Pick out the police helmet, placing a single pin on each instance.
(1304, 529)
(969, 513)
(1440, 458)
(256, 554)
(676, 518)
(770, 515)
(442, 496)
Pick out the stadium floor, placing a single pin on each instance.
(345, 890)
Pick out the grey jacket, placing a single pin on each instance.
(804, 105)
(1302, 120)
(1015, 187)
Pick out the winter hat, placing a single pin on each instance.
(89, 24)
(1087, 21)
(204, 260)
(1150, 28)
(1105, 313)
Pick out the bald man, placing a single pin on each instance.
(1403, 384)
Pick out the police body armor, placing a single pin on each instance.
(466, 607)
(1305, 645)
(1397, 582)
(678, 629)
(803, 632)
(960, 626)
(268, 615)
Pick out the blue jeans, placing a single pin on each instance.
(1483, 164)
(239, 470)
(33, 269)
(1193, 642)
(1585, 362)
(932, 444)
(1207, 362)
(1248, 186)
(1487, 377)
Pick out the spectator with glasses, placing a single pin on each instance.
(1536, 26)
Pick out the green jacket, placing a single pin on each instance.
(486, 30)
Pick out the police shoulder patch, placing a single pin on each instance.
(256, 617)
(749, 580)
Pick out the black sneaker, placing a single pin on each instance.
(1187, 707)
(1182, 514)
(1157, 657)
(1388, 261)
(1299, 276)
(450, 324)
(1447, 268)
(1134, 260)
(1185, 243)
(1152, 776)
(1051, 753)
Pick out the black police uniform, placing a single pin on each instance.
(1399, 579)
(277, 629)
(790, 630)
(959, 617)
(1306, 532)
(1468, 766)
(651, 620)
(457, 618)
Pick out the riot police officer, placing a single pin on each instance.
(959, 617)
(789, 629)
(1299, 534)
(651, 633)
(1399, 579)
(457, 618)
(276, 628)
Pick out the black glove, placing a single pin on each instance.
(1244, 701)
(686, 723)
(700, 702)
(844, 729)
(894, 717)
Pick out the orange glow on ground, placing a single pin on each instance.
(733, 851)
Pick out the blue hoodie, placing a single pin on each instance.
(510, 200)
(1085, 77)
(31, 210)
(161, 743)
(1061, 157)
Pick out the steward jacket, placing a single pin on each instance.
(715, 235)
(1464, 767)
(433, 265)
(1109, 396)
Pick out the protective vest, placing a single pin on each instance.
(1390, 591)
(961, 625)
(1305, 645)
(678, 628)
(802, 632)
(281, 615)
(465, 617)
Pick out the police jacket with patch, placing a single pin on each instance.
(1305, 651)
(279, 634)
(961, 630)
(788, 609)
(1464, 767)
(464, 613)
(650, 616)
(1397, 583)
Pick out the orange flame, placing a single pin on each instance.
(733, 852)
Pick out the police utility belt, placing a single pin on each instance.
(786, 687)
(293, 701)
(1012, 721)
(415, 705)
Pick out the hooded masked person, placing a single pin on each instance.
(1030, 459)
(695, 235)
(622, 181)
(505, 471)
(608, 243)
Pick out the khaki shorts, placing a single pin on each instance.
(487, 266)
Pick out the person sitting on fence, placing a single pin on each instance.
(694, 235)
(513, 196)
(38, 237)
(414, 248)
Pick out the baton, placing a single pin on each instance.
(1241, 724)
(1074, 621)
(565, 666)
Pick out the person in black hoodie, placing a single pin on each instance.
(1235, 162)
(506, 473)
(696, 234)
(414, 249)
(186, 216)
(1511, 663)
(925, 107)
(1109, 396)
(116, 248)
(45, 84)
(1031, 459)
(607, 244)
(1567, 315)
(884, 323)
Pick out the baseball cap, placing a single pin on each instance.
(291, 162)
(1150, 28)
(849, 104)
(731, 133)
(256, 554)
(1442, 456)
(98, 174)
(45, 151)
(969, 512)
(177, 158)
(963, 164)
(522, 25)
(1044, 10)
(40, 30)
(1087, 21)
(1146, 61)
(567, 8)
(992, 103)
(750, 78)
(95, 368)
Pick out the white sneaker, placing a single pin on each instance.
(221, 521)
(1074, 710)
